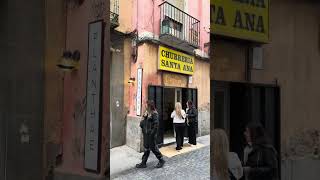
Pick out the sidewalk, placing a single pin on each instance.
(123, 160)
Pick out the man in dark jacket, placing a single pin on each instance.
(262, 162)
(192, 122)
(150, 125)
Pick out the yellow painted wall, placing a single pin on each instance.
(126, 12)
(201, 81)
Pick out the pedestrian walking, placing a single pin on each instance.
(179, 121)
(192, 122)
(226, 164)
(149, 126)
(261, 162)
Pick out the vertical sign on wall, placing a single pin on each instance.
(139, 91)
(93, 96)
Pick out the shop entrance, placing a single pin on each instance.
(236, 104)
(165, 99)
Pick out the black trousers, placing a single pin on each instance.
(192, 133)
(179, 128)
(150, 145)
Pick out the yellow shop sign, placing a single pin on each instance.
(243, 19)
(174, 61)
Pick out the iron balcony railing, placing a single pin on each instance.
(114, 13)
(177, 23)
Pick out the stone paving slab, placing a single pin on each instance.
(188, 166)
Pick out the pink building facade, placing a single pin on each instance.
(182, 28)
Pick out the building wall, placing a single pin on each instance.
(147, 22)
(292, 58)
(200, 80)
(117, 83)
(74, 94)
(126, 12)
(144, 17)
(23, 89)
(55, 43)
(148, 60)
(228, 61)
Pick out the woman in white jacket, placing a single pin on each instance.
(179, 116)
(226, 165)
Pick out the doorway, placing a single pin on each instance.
(169, 101)
(165, 99)
(172, 96)
(236, 104)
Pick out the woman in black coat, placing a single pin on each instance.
(262, 161)
(149, 126)
(192, 122)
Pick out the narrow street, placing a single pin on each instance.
(191, 165)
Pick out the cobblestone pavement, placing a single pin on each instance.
(190, 166)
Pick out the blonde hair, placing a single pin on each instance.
(220, 153)
(178, 109)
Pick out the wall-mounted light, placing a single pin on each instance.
(132, 80)
(69, 61)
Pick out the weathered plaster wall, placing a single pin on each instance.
(55, 44)
(228, 61)
(147, 59)
(126, 12)
(201, 81)
(74, 94)
(292, 57)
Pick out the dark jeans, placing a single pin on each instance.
(192, 133)
(150, 145)
(179, 128)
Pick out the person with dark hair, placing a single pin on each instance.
(192, 122)
(260, 161)
(149, 126)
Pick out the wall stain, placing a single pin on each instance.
(302, 144)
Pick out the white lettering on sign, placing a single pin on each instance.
(93, 97)
(139, 92)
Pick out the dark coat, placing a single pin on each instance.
(193, 117)
(263, 162)
(150, 125)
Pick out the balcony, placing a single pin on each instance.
(114, 13)
(178, 29)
